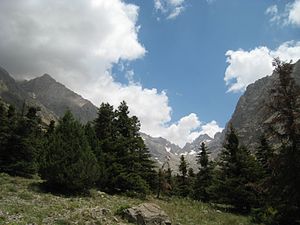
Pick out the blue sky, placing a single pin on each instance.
(186, 55)
(180, 65)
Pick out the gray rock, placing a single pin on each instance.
(147, 214)
(253, 113)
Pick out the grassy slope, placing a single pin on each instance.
(21, 202)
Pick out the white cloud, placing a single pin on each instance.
(245, 67)
(78, 43)
(272, 11)
(187, 129)
(176, 12)
(289, 16)
(294, 13)
(169, 8)
(211, 129)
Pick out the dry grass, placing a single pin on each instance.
(23, 202)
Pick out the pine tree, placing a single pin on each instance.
(285, 126)
(264, 156)
(239, 172)
(204, 177)
(182, 186)
(127, 163)
(4, 135)
(69, 164)
(24, 143)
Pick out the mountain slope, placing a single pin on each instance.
(12, 93)
(58, 98)
(253, 111)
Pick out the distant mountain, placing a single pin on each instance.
(58, 98)
(193, 148)
(162, 150)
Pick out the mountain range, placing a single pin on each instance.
(53, 98)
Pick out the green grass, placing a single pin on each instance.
(22, 202)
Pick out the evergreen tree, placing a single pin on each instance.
(4, 134)
(69, 163)
(264, 156)
(127, 164)
(204, 176)
(182, 186)
(24, 143)
(239, 172)
(285, 126)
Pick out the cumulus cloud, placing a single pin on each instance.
(78, 43)
(169, 8)
(289, 16)
(294, 13)
(245, 67)
(188, 128)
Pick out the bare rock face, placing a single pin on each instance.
(58, 98)
(147, 214)
(253, 112)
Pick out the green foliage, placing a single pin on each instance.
(68, 163)
(120, 210)
(127, 166)
(21, 141)
(239, 172)
(204, 177)
(283, 173)
(182, 181)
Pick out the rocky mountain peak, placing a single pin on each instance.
(58, 98)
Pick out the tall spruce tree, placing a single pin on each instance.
(4, 135)
(285, 126)
(204, 177)
(239, 172)
(127, 163)
(182, 187)
(69, 164)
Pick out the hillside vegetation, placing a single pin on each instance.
(23, 202)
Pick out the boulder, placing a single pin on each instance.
(147, 214)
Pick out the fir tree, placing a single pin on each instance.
(239, 172)
(183, 188)
(204, 176)
(285, 126)
(69, 163)
(4, 134)
(127, 164)
(24, 143)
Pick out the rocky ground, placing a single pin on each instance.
(22, 203)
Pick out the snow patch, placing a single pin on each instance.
(168, 149)
(193, 152)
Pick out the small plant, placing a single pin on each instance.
(120, 210)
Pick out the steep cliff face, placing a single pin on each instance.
(253, 111)
(58, 98)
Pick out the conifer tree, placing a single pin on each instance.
(127, 163)
(285, 126)
(239, 172)
(4, 134)
(183, 188)
(204, 177)
(69, 163)
(24, 143)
